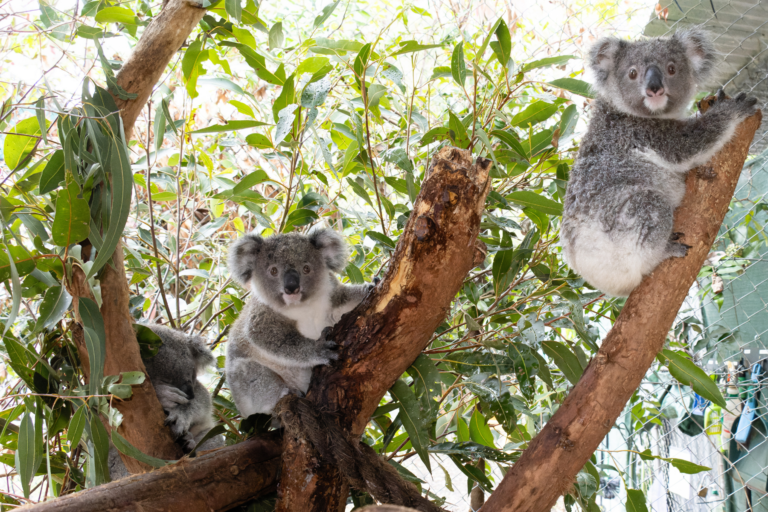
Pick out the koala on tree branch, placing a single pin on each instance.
(187, 404)
(280, 334)
(629, 174)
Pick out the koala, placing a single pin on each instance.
(186, 402)
(280, 334)
(629, 174)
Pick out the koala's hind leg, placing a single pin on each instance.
(255, 388)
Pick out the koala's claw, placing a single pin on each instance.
(676, 236)
(721, 95)
(326, 332)
(376, 280)
(706, 173)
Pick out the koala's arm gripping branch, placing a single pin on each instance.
(549, 466)
(388, 330)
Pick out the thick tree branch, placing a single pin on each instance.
(385, 334)
(143, 417)
(217, 480)
(549, 466)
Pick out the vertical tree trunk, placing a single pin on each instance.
(143, 417)
(548, 468)
(382, 337)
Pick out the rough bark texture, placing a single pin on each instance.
(549, 466)
(143, 417)
(218, 480)
(385, 334)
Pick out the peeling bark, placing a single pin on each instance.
(382, 337)
(550, 464)
(217, 480)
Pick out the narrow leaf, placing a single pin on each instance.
(412, 420)
(458, 66)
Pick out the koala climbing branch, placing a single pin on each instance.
(388, 330)
(549, 466)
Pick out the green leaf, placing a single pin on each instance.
(511, 140)
(354, 274)
(435, 134)
(487, 39)
(479, 431)
(526, 367)
(687, 467)
(23, 262)
(480, 133)
(276, 37)
(495, 396)
(413, 46)
(427, 387)
(71, 223)
(457, 131)
(191, 65)
(300, 217)
(636, 501)
(558, 60)
(530, 199)
(17, 148)
(568, 121)
(399, 157)
(25, 452)
(381, 239)
(53, 173)
(361, 63)
(229, 126)
(100, 457)
(687, 373)
(573, 85)
(315, 93)
(440, 72)
(564, 359)
(119, 168)
(536, 112)
(359, 190)
(462, 430)
(55, 302)
(285, 120)
(76, 425)
(458, 66)
(502, 47)
(234, 9)
(410, 413)
(117, 15)
(325, 46)
(326, 13)
(284, 100)
(501, 264)
(95, 342)
(41, 121)
(259, 141)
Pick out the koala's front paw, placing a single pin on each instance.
(178, 422)
(329, 350)
(741, 107)
(170, 396)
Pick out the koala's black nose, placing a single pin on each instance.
(189, 390)
(291, 281)
(654, 86)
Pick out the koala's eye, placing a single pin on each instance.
(632, 74)
(273, 271)
(306, 269)
(671, 69)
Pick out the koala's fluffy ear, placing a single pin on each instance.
(243, 256)
(699, 49)
(333, 247)
(602, 59)
(200, 352)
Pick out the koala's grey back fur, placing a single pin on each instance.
(629, 174)
(278, 337)
(186, 402)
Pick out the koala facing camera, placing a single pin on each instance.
(629, 175)
(280, 333)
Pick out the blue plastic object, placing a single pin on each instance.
(748, 414)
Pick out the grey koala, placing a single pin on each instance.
(173, 373)
(280, 334)
(629, 174)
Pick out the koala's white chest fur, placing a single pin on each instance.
(311, 317)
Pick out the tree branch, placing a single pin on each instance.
(217, 480)
(548, 468)
(388, 330)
